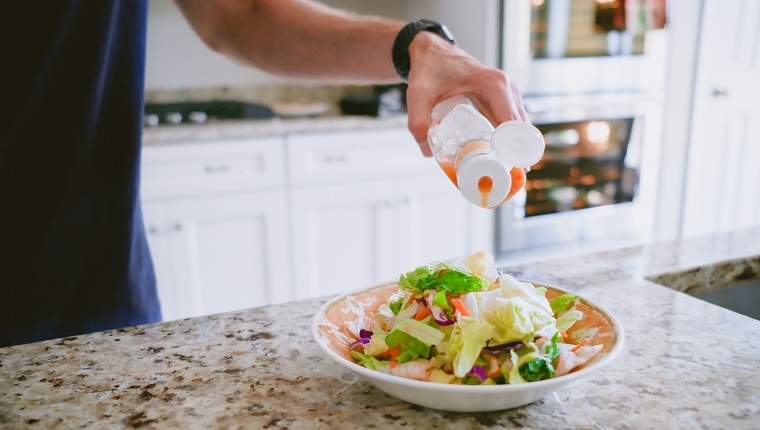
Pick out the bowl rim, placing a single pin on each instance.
(617, 346)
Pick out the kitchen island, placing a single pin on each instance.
(686, 363)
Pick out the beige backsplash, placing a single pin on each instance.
(265, 94)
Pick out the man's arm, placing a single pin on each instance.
(299, 38)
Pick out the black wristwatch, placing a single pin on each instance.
(406, 35)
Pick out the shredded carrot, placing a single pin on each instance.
(423, 313)
(460, 307)
(563, 334)
(394, 353)
(494, 365)
(580, 344)
(441, 273)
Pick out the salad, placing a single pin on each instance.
(462, 322)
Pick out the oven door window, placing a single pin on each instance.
(586, 164)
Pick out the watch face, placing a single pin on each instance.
(446, 33)
(439, 29)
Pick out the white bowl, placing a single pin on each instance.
(333, 316)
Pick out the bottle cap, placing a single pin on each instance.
(518, 143)
(474, 175)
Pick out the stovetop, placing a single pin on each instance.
(201, 112)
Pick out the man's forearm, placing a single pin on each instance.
(297, 38)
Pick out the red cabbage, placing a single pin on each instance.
(439, 316)
(362, 341)
(478, 372)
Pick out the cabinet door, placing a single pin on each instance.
(230, 252)
(156, 228)
(437, 223)
(722, 179)
(343, 237)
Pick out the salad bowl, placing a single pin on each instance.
(330, 322)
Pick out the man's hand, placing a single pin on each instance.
(439, 70)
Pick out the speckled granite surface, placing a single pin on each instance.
(270, 96)
(687, 364)
(223, 130)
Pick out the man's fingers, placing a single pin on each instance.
(419, 107)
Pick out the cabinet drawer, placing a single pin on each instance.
(180, 169)
(332, 157)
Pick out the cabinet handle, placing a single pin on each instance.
(177, 226)
(152, 229)
(335, 158)
(219, 168)
(719, 92)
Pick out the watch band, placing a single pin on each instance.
(401, 45)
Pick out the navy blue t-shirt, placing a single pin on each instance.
(74, 253)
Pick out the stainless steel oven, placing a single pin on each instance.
(588, 186)
(592, 74)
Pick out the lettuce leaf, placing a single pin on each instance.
(414, 339)
(514, 376)
(396, 306)
(562, 304)
(409, 347)
(442, 277)
(440, 300)
(567, 319)
(420, 331)
(536, 370)
(514, 319)
(552, 350)
(468, 338)
(367, 361)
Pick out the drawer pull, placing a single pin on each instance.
(219, 168)
(335, 158)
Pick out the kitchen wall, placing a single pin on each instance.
(177, 58)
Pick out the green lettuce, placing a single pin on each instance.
(396, 306)
(562, 304)
(420, 331)
(515, 319)
(568, 319)
(442, 277)
(440, 300)
(536, 370)
(467, 340)
(368, 361)
(552, 350)
(409, 347)
(515, 376)
(414, 339)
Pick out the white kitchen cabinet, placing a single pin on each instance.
(220, 254)
(216, 215)
(367, 207)
(722, 181)
(436, 223)
(342, 236)
(159, 242)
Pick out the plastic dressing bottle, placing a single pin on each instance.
(486, 164)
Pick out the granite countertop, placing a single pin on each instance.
(686, 363)
(268, 95)
(241, 129)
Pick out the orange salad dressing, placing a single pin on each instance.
(485, 185)
(518, 181)
(450, 171)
